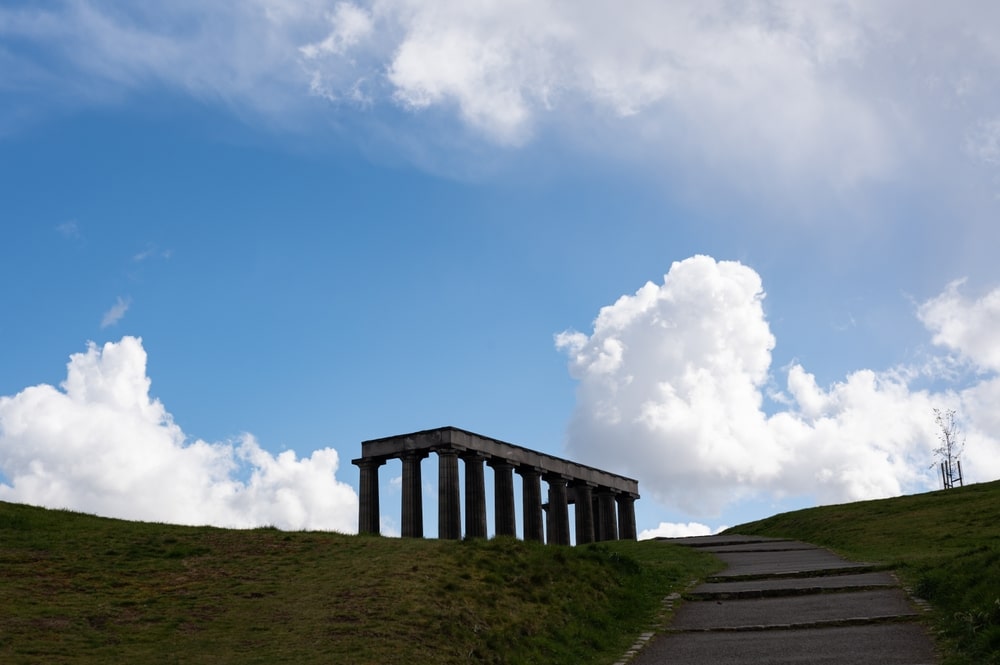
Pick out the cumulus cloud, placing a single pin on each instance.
(967, 327)
(679, 530)
(964, 326)
(674, 389)
(100, 444)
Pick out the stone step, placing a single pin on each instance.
(876, 644)
(783, 601)
(787, 563)
(791, 586)
(789, 612)
(768, 546)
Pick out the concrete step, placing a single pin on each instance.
(782, 602)
(878, 644)
(794, 611)
(786, 563)
(770, 587)
(768, 546)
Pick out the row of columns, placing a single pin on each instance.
(602, 513)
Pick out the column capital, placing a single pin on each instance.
(473, 455)
(450, 449)
(415, 454)
(499, 463)
(369, 461)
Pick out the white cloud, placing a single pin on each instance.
(980, 424)
(349, 25)
(100, 444)
(241, 55)
(842, 90)
(967, 327)
(679, 530)
(672, 384)
(117, 311)
(389, 527)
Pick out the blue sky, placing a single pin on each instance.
(332, 221)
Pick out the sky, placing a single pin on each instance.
(740, 252)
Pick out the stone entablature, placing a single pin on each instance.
(604, 501)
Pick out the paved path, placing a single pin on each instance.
(782, 601)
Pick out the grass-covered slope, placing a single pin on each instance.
(81, 589)
(945, 544)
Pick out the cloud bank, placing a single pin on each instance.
(679, 530)
(100, 444)
(846, 90)
(676, 389)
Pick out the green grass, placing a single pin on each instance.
(81, 589)
(945, 545)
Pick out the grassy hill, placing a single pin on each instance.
(945, 545)
(81, 589)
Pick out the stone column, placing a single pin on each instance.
(449, 496)
(475, 496)
(531, 490)
(413, 505)
(558, 509)
(368, 508)
(606, 514)
(503, 497)
(584, 512)
(626, 516)
(595, 512)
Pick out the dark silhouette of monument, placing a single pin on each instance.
(604, 502)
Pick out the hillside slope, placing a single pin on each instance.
(81, 589)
